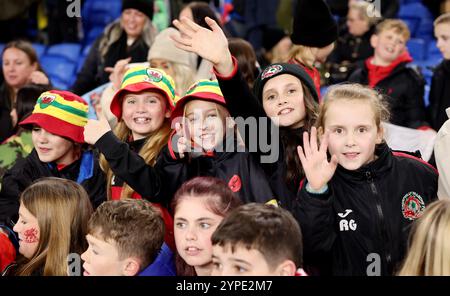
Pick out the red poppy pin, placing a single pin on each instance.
(235, 183)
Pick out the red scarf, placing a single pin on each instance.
(378, 73)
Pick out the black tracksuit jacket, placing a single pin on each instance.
(366, 213)
(159, 183)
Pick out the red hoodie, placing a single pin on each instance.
(378, 73)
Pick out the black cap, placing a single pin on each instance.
(271, 36)
(314, 26)
(274, 70)
(144, 6)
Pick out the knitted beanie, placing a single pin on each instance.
(140, 79)
(164, 48)
(144, 6)
(61, 113)
(274, 70)
(314, 26)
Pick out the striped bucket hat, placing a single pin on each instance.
(140, 79)
(206, 90)
(61, 113)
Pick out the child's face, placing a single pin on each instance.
(144, 113)
(283, 100)
(101, 258)
(353, 133)
(164, 65)
(241, 262)
(388, 45)
(51, 147)
(28, 230)
(205, 123)
(442, 33)
(194, 225)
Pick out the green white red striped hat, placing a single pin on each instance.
(61, 113)
(140, 79)
(206, 90)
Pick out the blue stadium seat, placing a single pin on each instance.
(433, 51)
(99, 13)
(417, 48)
(418, 18)
(59, 69)
(40, 49)
(90, 37)
(86, 50)
(71, 51)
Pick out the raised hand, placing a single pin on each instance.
(117, 72)
(211, 45)
(317, 168)
(38, 77)
(182, 143)
(95, 129)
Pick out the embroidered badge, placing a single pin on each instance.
(46, 100)
(235, 183)
(154, 76)
(271, 70)
(412, 206)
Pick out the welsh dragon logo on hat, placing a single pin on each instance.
(154, 75)
(271, 70)
(412, 206)
(46, 100)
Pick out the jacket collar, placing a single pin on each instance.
(372, 170)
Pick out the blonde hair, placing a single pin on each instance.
(429, 251)
(149, 152)
(184, 77)
(442, 19)
(354, 91)
(399, 26)
(304, 54)
(62, 209)
(363, 7)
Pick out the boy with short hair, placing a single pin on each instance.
(125, 238)
(257, 239)
(388, 71)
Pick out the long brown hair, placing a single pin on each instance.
(149, 152)
(219, 199)
(290, 139)
(62, 209)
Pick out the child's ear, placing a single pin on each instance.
(286, 268)
(374, 40)
(320, 131)
(380, 135)
(168, 113)
(131, 266)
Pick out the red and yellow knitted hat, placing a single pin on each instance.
(61, 113)
(140, 79)
(206, 90)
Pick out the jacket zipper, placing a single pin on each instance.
(387, 253)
